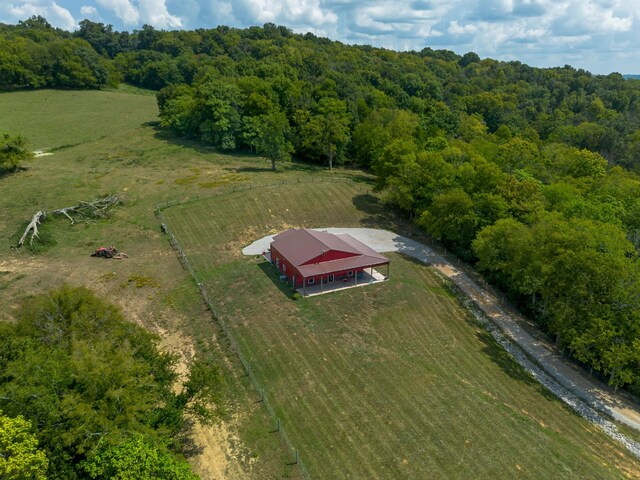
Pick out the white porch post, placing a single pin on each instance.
(304, 287)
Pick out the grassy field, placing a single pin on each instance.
(388, 381)
(109, 142)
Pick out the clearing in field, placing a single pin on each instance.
(392, 381)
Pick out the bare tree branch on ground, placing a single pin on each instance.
(98, 208)
(33, 226)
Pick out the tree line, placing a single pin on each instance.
(528, 173)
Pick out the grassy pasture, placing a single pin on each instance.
(108, 142)
(388, 381)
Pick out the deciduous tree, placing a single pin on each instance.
(327, 131)
(13, 151)
(20, 457)
(273, 138)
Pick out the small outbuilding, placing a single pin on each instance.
(316, 262)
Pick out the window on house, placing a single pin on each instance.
(350, 273)
(310, 281)
(277, 262)
(330, 278)
(284, 267)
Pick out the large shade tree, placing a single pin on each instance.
(327, 131)
(273, 138)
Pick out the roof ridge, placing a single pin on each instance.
(308, 232)
(344, 247)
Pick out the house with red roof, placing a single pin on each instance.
(315, 261)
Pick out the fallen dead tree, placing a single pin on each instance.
(99, 208)
(83, 211)
(32, 227)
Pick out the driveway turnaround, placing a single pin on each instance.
(569, 384)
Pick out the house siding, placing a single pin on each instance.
(284, 266)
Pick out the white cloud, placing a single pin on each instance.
(593, 17)
(155, 12)
(55, 14)
(61, 16)
(427, 31)
(403, 25)
(123, 9)
(87, 11)
(307, 12)
(456, 29)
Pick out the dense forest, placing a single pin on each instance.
(530, 174)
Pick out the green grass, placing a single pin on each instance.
(389, 381)
(109, 142)
(132, 89)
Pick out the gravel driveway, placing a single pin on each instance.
(570, 385)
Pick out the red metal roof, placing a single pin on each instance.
(300, 246)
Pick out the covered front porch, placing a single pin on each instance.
(331, 283)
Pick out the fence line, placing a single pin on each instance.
(233, 343)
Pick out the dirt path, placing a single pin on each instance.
(591, 397)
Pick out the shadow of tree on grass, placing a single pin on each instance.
(378, 215)
(508, 365)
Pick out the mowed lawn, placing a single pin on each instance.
(387, 381)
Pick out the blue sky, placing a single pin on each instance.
(602, 36)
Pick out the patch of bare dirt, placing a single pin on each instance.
(219, 460)
(217, 444)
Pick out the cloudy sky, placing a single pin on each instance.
(602, 36)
